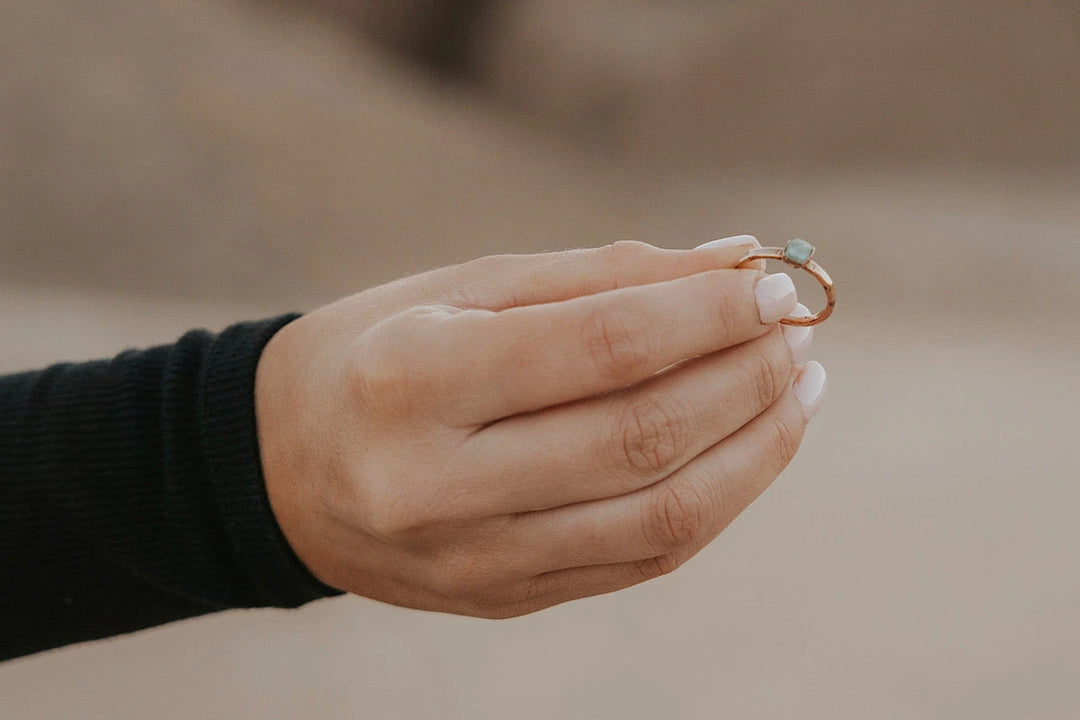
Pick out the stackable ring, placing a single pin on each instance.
(800, 254)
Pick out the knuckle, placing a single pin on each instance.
(654, 567)
(482, 282)
(786, 436)
(623, 251)
(393, 510)
(621, 256)
(373, 378)
(618, 343)
(678, 516)
(485, 265)
(724, 315)
(455, 578)
(466, 575)
(391, 521)
(510, 599)
(489, 611)
(654, 435)
(491, 607)
(767, 373)
(388, 372)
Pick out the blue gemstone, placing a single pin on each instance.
(798, 252)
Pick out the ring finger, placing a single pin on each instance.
(686, 509)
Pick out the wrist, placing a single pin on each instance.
(282, 392)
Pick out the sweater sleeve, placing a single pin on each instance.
(131, 494)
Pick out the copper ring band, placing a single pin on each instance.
(785, 254)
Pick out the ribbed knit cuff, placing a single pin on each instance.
(231, 453)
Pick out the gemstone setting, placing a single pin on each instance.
(798, 252)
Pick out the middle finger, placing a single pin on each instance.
(619, 443)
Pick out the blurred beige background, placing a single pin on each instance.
(167, 164)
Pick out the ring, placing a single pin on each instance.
(800, 254)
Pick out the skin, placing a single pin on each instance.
(498, 437)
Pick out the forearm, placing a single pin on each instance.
(131, 494)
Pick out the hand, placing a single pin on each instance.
(497, 437)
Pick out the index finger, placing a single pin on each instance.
(526, 358)
(499, 282)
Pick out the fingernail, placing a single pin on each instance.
(735, 241)
(799, 338)
(810, 388)
(776, 297)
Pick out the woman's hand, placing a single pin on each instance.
(501, 436)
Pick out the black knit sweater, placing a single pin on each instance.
(131, 494)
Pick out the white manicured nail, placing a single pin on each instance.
(776, 297)
(735, 241)
(810, 388)
(799, 338)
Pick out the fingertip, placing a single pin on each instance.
(810, 388)
(799, 338)
(748, 241)
(776, 297)
(727, 252)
